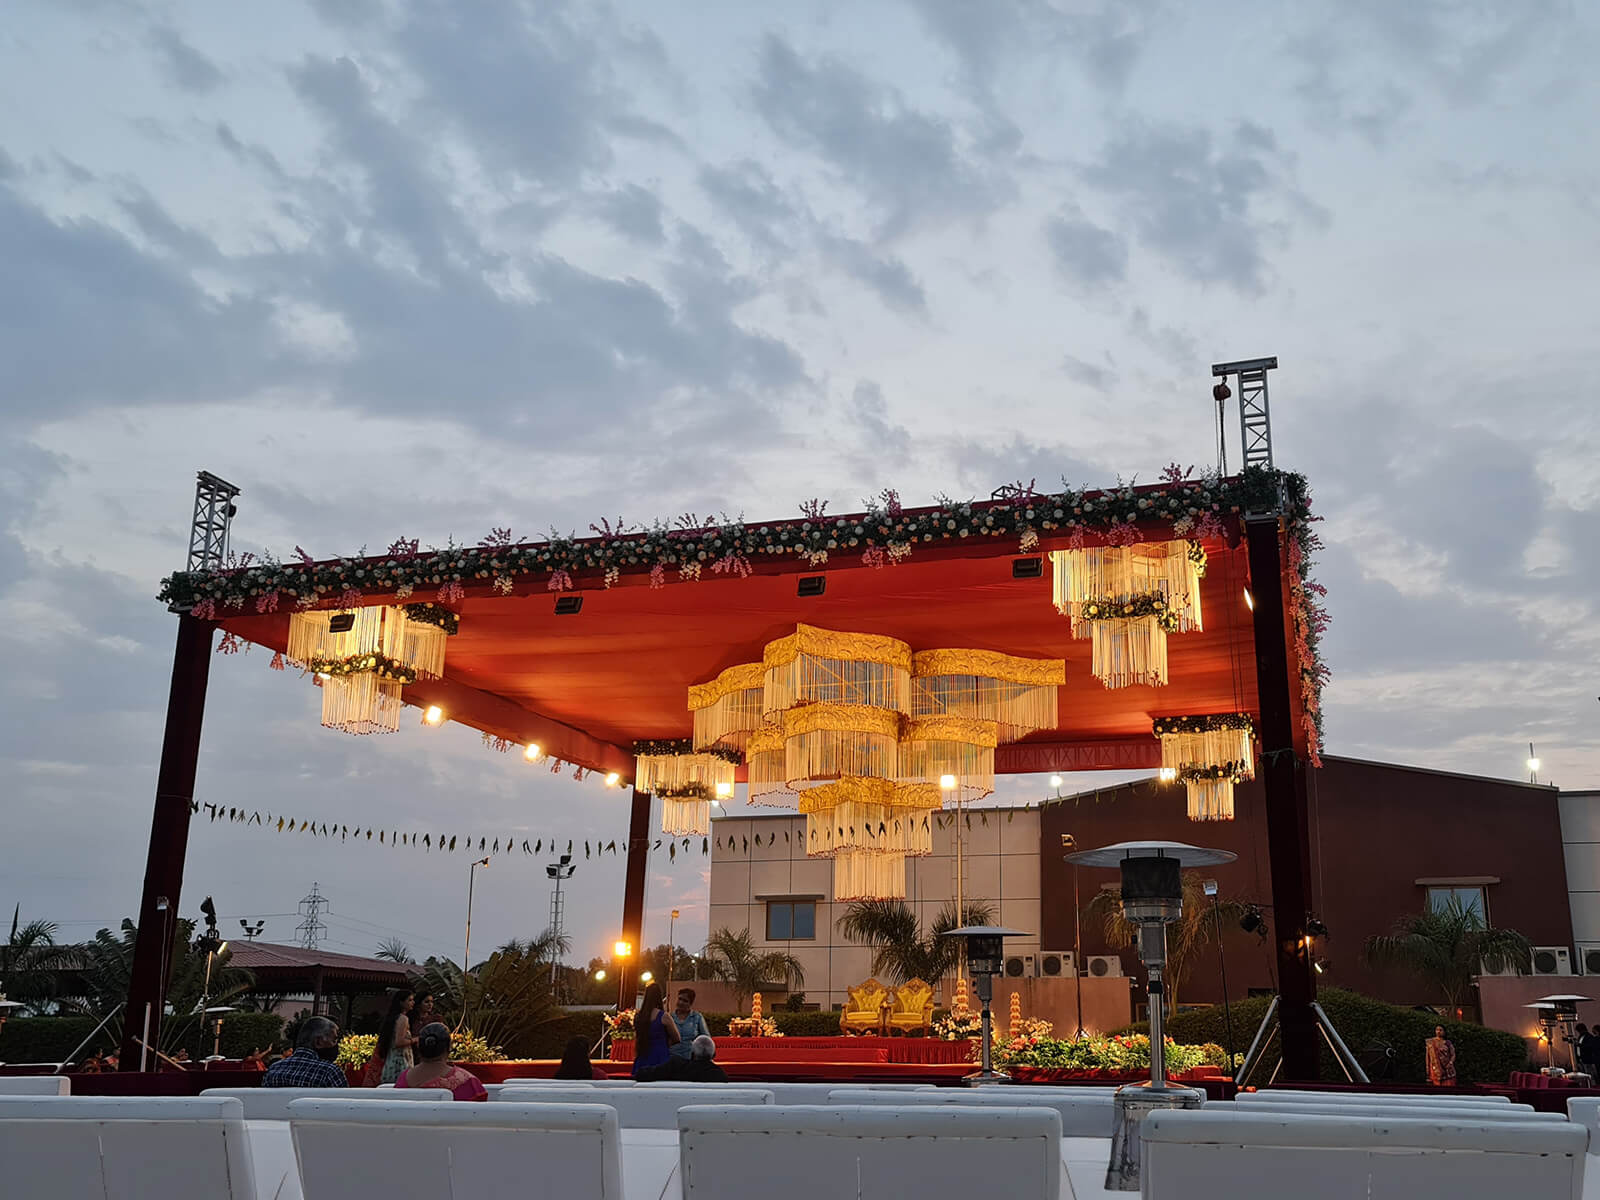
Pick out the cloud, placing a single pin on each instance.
(1087, 373)
(182, 63)
(633, 212)
(887, 275)
(1087, 256)
(905, 162)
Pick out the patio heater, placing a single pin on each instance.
(985, 946)
(1559, 1017)
(214, 1014)
(1152, 899)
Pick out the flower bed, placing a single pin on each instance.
(1124, 1056)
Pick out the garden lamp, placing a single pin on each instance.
(985, 946)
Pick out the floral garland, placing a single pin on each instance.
(1201, 724)
(434, 614)
(1198, 772)
(663, 747)
(380, 665)
(885, 533)
(686, 791)
(1146, 604)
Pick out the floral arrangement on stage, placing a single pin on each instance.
(1120, 1054)
(468, 1047)
(753, 1027)
(356, 1049)
(619, 1024)
(956, 1026)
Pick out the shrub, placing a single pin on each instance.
(551, 1039)
(1482, 1055)
(51, 1039)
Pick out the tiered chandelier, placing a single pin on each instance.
(364, 657)
(1209, 754)
(870, 740)
(1127, 599)
(686, 779)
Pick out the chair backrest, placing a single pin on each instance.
(869, 1152)
(530, 1082)
(1227, 1151)
(81, 1147)
(642, 1108)
(1585, 1111)
(272, 1104)
(1087, 1115)
(369, 1150)
(867, 996)
(817, 1093)
(1441, 1112)
(911, 997)
(1302, 1096)
(35, 1085)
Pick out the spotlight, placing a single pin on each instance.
(342, 622)
(1209, 887)
(532, 752)
(724, 790)
(622, 949)
(1221, 392)
(600, 975)
(432, 715)
(1168, 775)
(612, 779)
(1316, 928)
(1249, 600)
(1056, 781)
(1252, 921)
(646, 976)
(947, 783)
(1533, 764)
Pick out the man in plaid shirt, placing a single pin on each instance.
(311, 1064)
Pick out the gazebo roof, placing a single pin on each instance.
(294, 968)
(665, 608)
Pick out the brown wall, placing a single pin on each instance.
(1376, 829)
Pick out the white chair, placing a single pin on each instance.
(641, 1108)
(272, 1104)
(35, 1085)
(1091, 1114)
(1585, 1110)
(868, 1152)
(1425, 1112)
(135, 1148)
(367, 1150)
(569, 1083)
(1304, 1096)
(1218, 1153)
(817, 1093)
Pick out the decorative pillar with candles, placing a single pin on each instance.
(1152, 899)
(985, 945)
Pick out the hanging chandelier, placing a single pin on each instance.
(869, 827)
(1018, 694)
(1127, 599)
(1210, 754)
(821, 666)
(834, 741)
(686, 780)
(954, 754)
(729, 708)
(363, 657)
(766, 767)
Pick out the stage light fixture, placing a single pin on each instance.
(567, 606)
(646, 976)
(1318, 965)
(432, 715)
(341, 622)
(1533, 764)
(811, 585)
(600, 975)
(532, 752)
(1252, 921)
(612, 779)
(1168, 775)
(1027, 568)
(1316, 928)
(1249, 600)
(622, 949)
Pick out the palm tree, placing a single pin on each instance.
(899, 951)
(30, 963)
(1186, 938)
(1447, 947)
(394, 950)
(734, 959)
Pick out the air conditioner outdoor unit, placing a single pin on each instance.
(1589, 958)
(1505, 969)
(1057, 964)
(1103, 966)
(1019, 966)
(1552, 960)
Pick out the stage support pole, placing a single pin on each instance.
(169, 840)
(1284, 784)
(633, 895)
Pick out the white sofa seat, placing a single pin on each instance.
(530, 1082)
(1441, 1112)
(869, 1153)
(1308, 1096)
(641, 1108)
(272, 1104)
(1222, 1153)
(35, 1085)
(817, 1093)
(369, 1150)
(1090, 1115)
(135, 1148)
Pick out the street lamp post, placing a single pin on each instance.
(672, 947)
(622, 952)
(466, 950)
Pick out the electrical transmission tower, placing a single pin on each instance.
(311, 930)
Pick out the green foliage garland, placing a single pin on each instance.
(1148, 604)
(380, 665)
(1201, 724)
(434, 614)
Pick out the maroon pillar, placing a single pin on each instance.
(1288, 824)
(633, 895)
(169, 840)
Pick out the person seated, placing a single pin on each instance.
(437, 1071)
(311, 1064)
(575, 1062)
(92, 1065)
(699, 1067)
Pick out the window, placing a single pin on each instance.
(790, 920)
(1471, 898)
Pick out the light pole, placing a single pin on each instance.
(466, 950)
(562, 868)
(1069, 844)
(622, 952)
(672, 947)
(1210, 889)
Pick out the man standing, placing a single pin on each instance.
(690, 1024)
(1441, 1057)
(1586, 1048)
(311, 1064)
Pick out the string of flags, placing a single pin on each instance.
(513, 843)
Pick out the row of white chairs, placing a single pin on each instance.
(35, 1085)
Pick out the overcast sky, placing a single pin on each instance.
(426, 269)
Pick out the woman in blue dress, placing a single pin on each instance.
(653, 1031)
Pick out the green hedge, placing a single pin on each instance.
(550, 1041)
(1483, 1055)
(51, 1039)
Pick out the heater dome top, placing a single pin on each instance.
(1187, 855)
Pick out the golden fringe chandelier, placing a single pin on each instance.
(871, 739)
(1127, 599)
(363, 657)
(1209, 754)
(686, 780)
